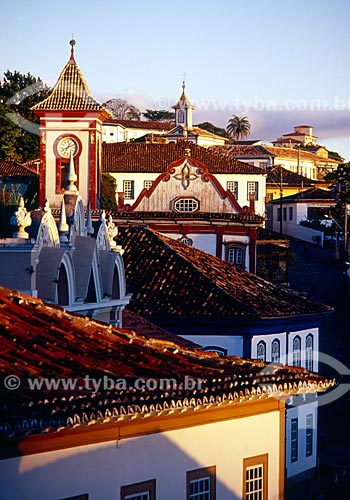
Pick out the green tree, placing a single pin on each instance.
(122, 110)
(108, 191)
(159, 115)
(238, 127)
(213, 129)
(19, 129)
(340, 180)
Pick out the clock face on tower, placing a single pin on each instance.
(66, 145)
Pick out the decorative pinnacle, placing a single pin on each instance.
(72, 44)
(71, 176)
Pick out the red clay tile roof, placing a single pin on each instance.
(140, 325)
(314, 194)
(288, 178)
(43, 341)
(10, 168)
(280, 152)
(70, 93)
(284, 141)
(242, 151)
(167, 277)
(141, 124)
(131, 157)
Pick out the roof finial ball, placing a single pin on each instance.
(72, 44)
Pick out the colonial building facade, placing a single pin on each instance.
(70, 122)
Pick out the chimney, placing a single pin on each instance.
(121, 200)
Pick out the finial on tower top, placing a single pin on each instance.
(72, 44)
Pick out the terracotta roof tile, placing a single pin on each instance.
(44, 341)
(10, 168)
(242, 151)
(314, 194)
(137, 157)
(167, 277)
(142, 326)
(280, 152)
(288, 178)
(70, 93)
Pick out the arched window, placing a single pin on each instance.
(309, 347)
(235, 255)
(181, 117)
(297, 351)
(275, 351)
(261, 351)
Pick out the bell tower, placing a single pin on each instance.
(183, 110)
(70, 126)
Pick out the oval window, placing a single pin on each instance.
(186, 205)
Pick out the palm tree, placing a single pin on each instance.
(238, 127)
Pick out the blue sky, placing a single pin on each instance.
(280, 63)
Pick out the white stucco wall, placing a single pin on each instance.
(303, 463)
(100, 470)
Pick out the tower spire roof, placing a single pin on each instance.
(71, 92)
(183, 101)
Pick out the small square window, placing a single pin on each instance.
(252, 188)
(128, 188)
(201, 484)
(147, 184)
(139, 491)
(233, 187)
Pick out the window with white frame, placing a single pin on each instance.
(147, 184)
(186, 205)
(309, 434)
(139, 491)
(275, 351)
(297, 351)
(129, 189)
(294, 440)
(252, 188)
(235, 255)
(201, 484)
(233, 187)
(255, 479)
(261, 350)
(309, 347)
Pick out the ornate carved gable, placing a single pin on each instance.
(190, 181)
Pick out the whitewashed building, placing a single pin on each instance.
(222, 439)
